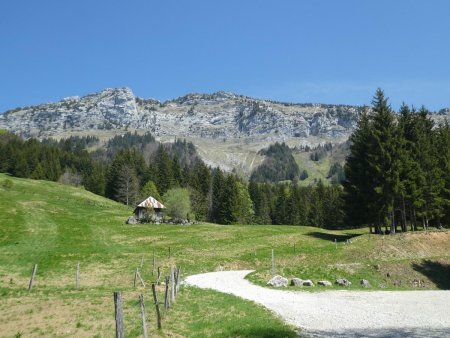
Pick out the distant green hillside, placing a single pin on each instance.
(52, 224)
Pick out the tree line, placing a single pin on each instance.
(397, 175)
(288, 203)
(132, 167)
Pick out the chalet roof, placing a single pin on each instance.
(151, 202)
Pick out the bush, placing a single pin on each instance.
(178, 203)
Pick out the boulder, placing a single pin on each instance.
(296, 282)
(278, 281)
(301, 282)
(324, 283)
(343, 282)
(365, 283)
(132, 220)
(308, 282)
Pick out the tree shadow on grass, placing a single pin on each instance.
(331, 237)
(437, 272)
(265, 332)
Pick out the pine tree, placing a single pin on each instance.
(412, 178)
(164, 175)
(443, 149)
(359, 185)
(332, 208)
(383, 159)
(228, 213)
(297, 205)
(280, 211)
(217, 191)
(94, 180)
(150, 189)
(260, 202)
(177, 173)
(316, 211)
(433, 176)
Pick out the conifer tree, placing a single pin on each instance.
(433, 176)
(412, 177)
(260, 202)
(217, 191)
(443, 148)
(164, 174)
(359, 185)
(280, 211)
(383, 160)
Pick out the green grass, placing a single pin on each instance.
(56, 226)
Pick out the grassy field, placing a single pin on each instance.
(57, 226)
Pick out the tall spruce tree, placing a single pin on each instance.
(261, 203)
(280, 211)
(163, 172)
(412, 178)
(383, 160)
(434, 181)
(359, 184)
(217, 191)
(443, 148)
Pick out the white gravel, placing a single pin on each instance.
(342, 313)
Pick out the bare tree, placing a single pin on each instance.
(127, 185)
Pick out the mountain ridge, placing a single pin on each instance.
(220, 114)
(228, 129)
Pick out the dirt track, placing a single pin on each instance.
(343, 313)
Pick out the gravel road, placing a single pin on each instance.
(342, 313)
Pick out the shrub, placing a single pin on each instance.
(178, 203)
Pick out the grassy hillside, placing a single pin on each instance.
(57, 226)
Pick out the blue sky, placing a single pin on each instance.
(297, 51)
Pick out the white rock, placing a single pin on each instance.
(278, 281)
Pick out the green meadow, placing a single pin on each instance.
(57, 226)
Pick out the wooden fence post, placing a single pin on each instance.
(335, 242)
(177, 285)
(172, 284)
(118, 315)
(153, 263)
(144, 324)
(155, 298)
(159, 276)
(175, 277)
(77, 280)
(135, 277)
(166, 295)
(33, 274)
(273, 263)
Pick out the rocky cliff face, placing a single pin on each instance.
(211, 116)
